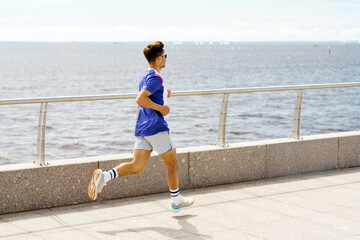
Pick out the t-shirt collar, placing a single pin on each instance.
(154, 70)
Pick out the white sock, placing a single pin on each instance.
(175, 196)
(113, 173)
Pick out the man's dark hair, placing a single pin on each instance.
(153, 50)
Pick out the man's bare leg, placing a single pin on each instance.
(172, 174)
(172, 178)
(99, 178)
(137, 165)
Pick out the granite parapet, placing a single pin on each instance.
(26, 187)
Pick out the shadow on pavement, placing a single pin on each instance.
(173, 233)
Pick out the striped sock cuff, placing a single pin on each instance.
(114, 173)
(174, 193)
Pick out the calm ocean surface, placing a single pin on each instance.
(106, 127)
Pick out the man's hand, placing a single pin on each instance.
(144, 100)
(169, 93)
(164, 110)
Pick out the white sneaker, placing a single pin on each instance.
(96, 184)
(185, 202)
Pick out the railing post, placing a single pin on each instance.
(222, 121)
(40, 154)
(297, 115)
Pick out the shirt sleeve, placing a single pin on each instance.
(153, 84)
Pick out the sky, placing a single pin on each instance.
(174, 20)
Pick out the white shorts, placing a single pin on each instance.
(160, 142)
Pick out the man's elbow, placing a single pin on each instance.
(142, 97)
(139, 100)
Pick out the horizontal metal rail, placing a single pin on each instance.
(223, 113)
(177, 93)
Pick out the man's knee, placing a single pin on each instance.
(170, 159)
(137, 168)
(172, 165)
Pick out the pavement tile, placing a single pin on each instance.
(337, 196)
(235, 222)
(145, 226)
(109, 214)
(298, 185)
(267, 231)
(38, 223)
(23, 237)
(147, 207)
(109, 230)
(67, 234)
(352, 213)
(247, 212)
(74, 218)
(188, 223)
(232, 234)
(160, 232)
(232, 195)
(353, 185)
(261, 191)
(355, 237)
(342, 176)
(294, 229)
(205, 214)
(305, 200)
(334, 222)
(272, 205)
(9, 229)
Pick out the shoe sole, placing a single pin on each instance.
(92, 189)
(182, 208)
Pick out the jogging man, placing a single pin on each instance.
(151, 132)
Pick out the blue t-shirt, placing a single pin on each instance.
(150, 121)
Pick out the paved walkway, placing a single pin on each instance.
(324, 205)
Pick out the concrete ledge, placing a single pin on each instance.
(349, 151)
(64, 182)
(301, 156)
(32, 187)
(221, 166)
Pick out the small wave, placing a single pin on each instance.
(251, 115)
(277, 117)
(236, 133)
(47, 127)
(71, 137)
(72, 146)
(336, 129)
(178, 132)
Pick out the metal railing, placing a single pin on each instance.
(221, 141)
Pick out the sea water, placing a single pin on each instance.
(81, 129)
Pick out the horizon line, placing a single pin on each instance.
(178, 42)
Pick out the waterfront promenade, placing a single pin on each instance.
(323, 205)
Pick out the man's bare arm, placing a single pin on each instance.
(144, 100)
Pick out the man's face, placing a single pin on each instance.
(163, 59)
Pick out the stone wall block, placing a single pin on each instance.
(221, 166)
(301, 157)
(349, 151)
